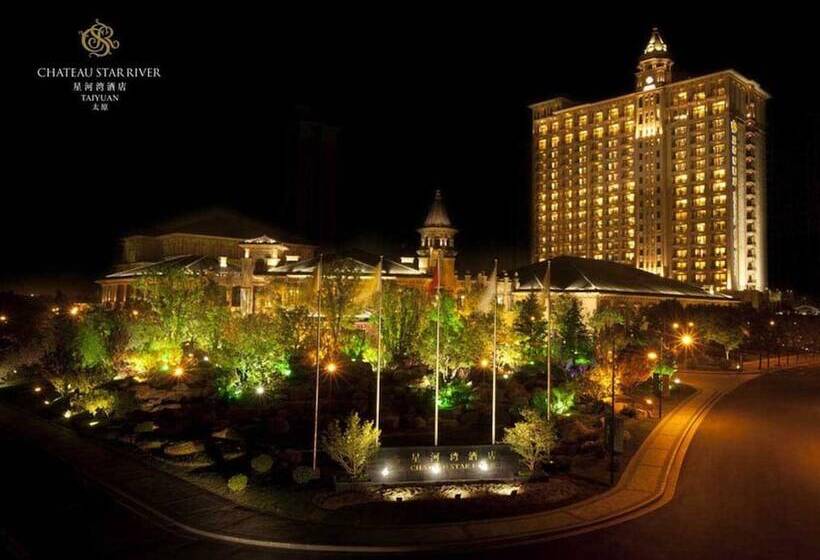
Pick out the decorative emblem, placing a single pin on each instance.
(98, 40)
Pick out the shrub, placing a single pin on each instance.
(262, 463)
(563, 399)
(237, 483)
(303, 475)
(531, 439)
(457, 392)
(562, 402)
(97, 401)
(353, 445)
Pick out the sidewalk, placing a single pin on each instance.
(750, 366)
(647, 483)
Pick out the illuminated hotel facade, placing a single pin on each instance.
(670, 179)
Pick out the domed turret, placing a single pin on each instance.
(438, 241)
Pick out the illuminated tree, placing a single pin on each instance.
(532, 439)
(353, 444)
(720, 326)
(463, 339)
(103, 338)
(294, 330)
(403, 313)
(251, 349)
(61, 360)
(340, 286)
(573, 336)
(531, 328)
(174, 300)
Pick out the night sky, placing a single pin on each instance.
(422, 98)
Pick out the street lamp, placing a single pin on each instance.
(652, 356)
(687, 340)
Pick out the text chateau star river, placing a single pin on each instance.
(670, 179)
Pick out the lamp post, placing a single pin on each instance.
(652, 356)
(686, 341)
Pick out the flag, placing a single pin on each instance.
(371, 288)
(487, 299)
(318, 280)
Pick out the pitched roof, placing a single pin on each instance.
(365, 262)
(576, 274)
(437, 216)
(221, 222)
(188, 263)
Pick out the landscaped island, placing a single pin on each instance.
(228, 401)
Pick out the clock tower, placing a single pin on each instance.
(654, 66)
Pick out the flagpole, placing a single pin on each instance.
(379, 345)
(495, 343)
(549, 341)
(318, 359)
(438, 344)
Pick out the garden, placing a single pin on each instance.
(227, 401)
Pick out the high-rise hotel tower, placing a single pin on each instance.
(670, 179)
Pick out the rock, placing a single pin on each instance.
(448, 423)
(577, 431)
(390, 421)
(227, 434)
(145, 427)
(183, 448)
(469, 418)
(150, 445)
(279, 425)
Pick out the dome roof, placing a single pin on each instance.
(656, 48)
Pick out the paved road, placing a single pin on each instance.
(749, 487)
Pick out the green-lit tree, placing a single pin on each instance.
(294, 330)
(531, 328)
(103, 337)
(721, 326)
(340, 286)
(61, 361)
(174, 301)
(251, 350)
(463, 339)
(403, 313)
(573, 335)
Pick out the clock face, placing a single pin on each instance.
(649, 80)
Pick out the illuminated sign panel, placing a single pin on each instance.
(443, 464)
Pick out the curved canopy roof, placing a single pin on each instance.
(576, 274)
(366, 264)
(193, 264)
